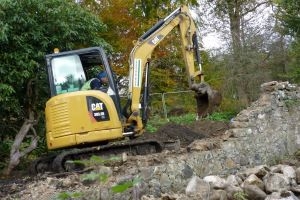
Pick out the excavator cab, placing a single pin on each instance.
(68, 71)
(76, 117)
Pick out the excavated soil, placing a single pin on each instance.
(188, 133)
(202, 130)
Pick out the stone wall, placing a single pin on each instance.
(263, 133)
(267, 130)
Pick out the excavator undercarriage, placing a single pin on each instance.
(72, 160)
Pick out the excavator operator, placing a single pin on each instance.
(96, 83)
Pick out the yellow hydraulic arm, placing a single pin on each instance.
(141, 54)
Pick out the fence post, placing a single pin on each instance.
(164, 106)
(163, 100)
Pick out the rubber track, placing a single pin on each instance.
(132, 147)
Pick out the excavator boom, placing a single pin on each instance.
(207, 99)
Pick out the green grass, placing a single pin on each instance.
(291, 103)
(221, 116)
(183, 119)
(240, 196)
(156, 122)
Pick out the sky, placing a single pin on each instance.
(211, 41)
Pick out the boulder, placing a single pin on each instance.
(275, 182)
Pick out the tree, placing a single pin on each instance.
(288, 16)
(154, 9)
(46, 25)
(30, 29)
(122, 30)
(236, 13)
(246, 28)
(126, 21)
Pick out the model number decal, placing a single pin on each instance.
(137, 76)
(97, 109)
(156, 39)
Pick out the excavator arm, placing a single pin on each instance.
(141, 54)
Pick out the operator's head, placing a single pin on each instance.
(102, 76)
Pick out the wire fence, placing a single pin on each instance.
(172, 103)
(169, 104)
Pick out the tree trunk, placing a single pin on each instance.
(234, 12)
(15, 152)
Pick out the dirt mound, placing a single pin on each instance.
(210, 128)
(188, 133)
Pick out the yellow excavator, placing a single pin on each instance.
(88, 122)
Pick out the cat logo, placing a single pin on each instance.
(97, 109)
(97, 106)
(156, 39)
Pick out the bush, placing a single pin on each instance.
(4, 152)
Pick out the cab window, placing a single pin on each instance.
(68, 73)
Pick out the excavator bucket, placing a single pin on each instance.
(207, 99)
